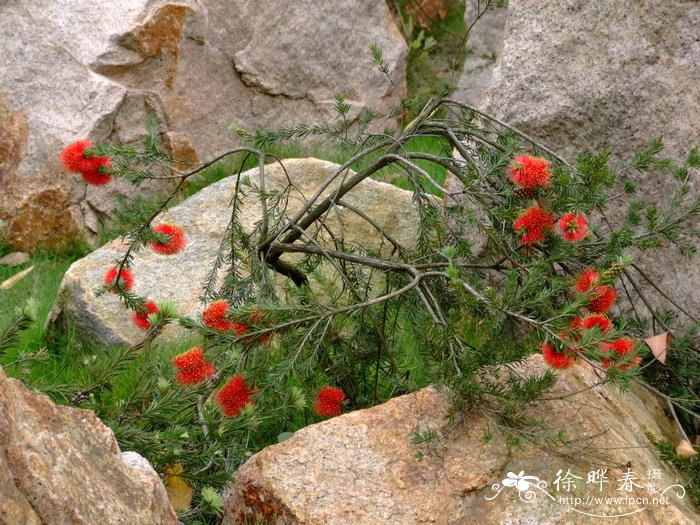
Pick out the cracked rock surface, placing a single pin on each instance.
(72, 71)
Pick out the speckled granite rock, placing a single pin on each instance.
(79, 72)
(580, 76)
(360, 468)
(484, 44)
(204, 217)
(62, 466)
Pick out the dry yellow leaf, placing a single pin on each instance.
(9, 283)
(659, 345)
(685, 449)
(179, 491)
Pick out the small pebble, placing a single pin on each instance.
(15, 259)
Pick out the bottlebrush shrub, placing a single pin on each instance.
(522, 259)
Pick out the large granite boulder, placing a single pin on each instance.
(77, 70)
(361, 467)
(580, 76)
(484, 45)
(62, 466)
(204, 216)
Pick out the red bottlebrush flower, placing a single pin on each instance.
(176, 239)
(126, 279)
(572, 227)
(592, 321)
(256, 318)
(239, 328)
(95, 177)
(530, 172)
(74, 158)
(587, 280)
(533, 224)
(328, 401)
(622, 347)
(192, 367)
(214, 316)
(603, 299)
(140, 319)
(556, 359)
(234, 396)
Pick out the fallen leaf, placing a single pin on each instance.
(685, 449)
(179, 491)
(9, 283)
(659, 345)
(284, 436)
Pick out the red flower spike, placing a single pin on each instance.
(95, 177)
(234, 396)
(622, 346)
(126, 279)
(192, 367)
(592, 321)
(530, 172)
(214, 316)
(328, 401)
(239, 328)
(74, 158)
(257, 319)
(140, 319)
(559, 360)
(603, 299)
(533, 224)
(587, 280)
(176, 239)
(572, 227)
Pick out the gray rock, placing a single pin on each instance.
(484, 44)
(580, 76)
(361, 468)
(78, 72)
(62, 466)
(204, 217)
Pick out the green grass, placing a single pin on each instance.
(42, 284)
